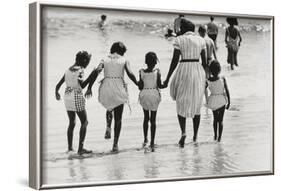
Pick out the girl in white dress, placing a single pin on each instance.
(74, 100)
(113, 93)
(219, 99)
(188, 85)
(149, 97)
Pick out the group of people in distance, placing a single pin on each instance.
(192, 80)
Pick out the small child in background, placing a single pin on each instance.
(74, 100)
(149, 97)
(219, 100)
(102, 22)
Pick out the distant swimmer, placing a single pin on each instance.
(212, 30)
(102, 22)
(177, 24)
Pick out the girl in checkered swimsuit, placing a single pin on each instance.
(74, 100)
(149, 97)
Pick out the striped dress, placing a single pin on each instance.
(73, 96)
(188, 84)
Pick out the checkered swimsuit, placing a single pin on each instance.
(79, 101)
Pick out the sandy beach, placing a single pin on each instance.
(247, 138)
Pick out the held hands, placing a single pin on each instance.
(227, 106)
(57, 96)
(165, 83)
(88, 94)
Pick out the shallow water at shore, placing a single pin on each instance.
(246, 143)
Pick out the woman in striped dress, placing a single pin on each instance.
(188, 84)
(74, 100)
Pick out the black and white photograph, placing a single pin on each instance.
(135, 95)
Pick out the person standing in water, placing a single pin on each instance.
(210, 45)
(188, 85)
(219, 100)
(233, 41)
(149, 97)
(74, 100)
(177, 24)
(212, 30)
(113, 92)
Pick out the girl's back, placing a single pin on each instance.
(216, 87)
(217, 99)
(232, 32)
(150, 96)
(72, 75)
(114, 66)
(149, 79)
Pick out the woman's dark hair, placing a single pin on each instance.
(232, 20)
(83, 58)
(151, 58)
(212, 18)
(186, 26)
(119, 48)
(215, 68)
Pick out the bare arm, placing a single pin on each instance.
(159, 82)
(173, 65)
(240, 38)
(226, 35)
(204, 58)
(140, 82)
(91, 80)
(206, 93)
(58, 87)
(227, 93)
(214, 51)
(130, 73)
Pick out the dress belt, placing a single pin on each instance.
(189, 60)
(150, 88)
(112, 77)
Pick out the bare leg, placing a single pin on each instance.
(215, 124)
(196, 123)
(153, 128)
(118, 112)
(235, 58)
(145, 126)
(109, 118)
(220, 118)
(71, 117)
(182, 122)
(83, 130)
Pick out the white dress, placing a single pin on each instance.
(73, 96)
(113, 89)
(188, 84)
(149, 96)
(217, 99)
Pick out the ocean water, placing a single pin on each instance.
(246, 145)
